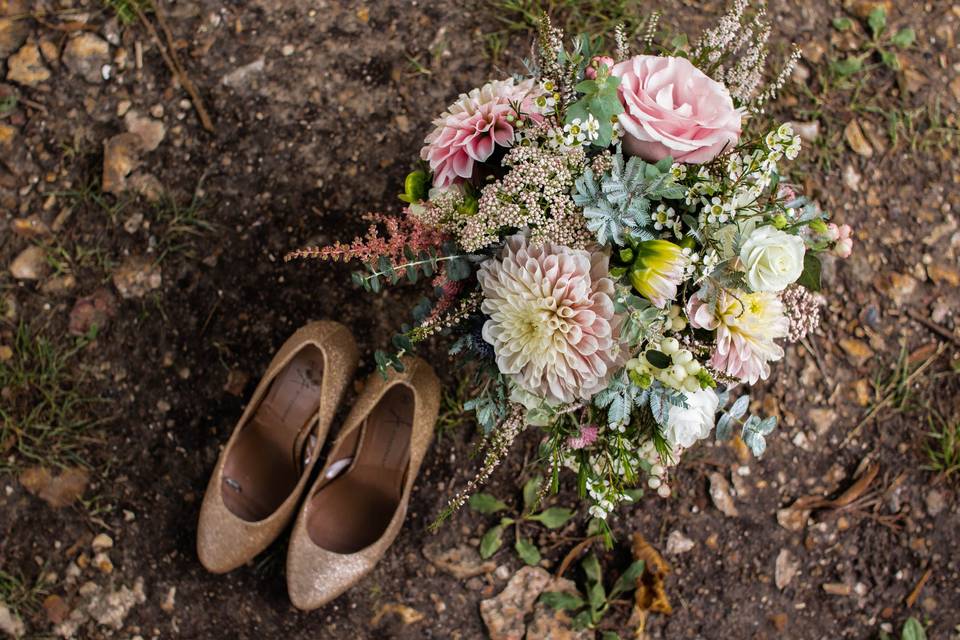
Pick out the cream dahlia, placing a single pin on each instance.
(747, 325)
(470, 128)
(552, 322)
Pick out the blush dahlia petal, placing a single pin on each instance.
(473, 126)
(551, 324)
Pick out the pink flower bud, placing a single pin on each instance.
(596, 63)
(844, 246)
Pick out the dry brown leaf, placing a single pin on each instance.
(720, 494)
(57, 491)
(651, 594)
(407, 614)
(855, 138)
(795, 516)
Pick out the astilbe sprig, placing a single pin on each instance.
(403, 235)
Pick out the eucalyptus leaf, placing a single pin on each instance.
(755, 441)
(725, 427)
(739, 407)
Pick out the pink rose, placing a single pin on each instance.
(595, 64)
(671, 108)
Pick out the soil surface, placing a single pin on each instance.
(319, 109)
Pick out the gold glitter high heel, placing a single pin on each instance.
(356, 508)
(265, 465)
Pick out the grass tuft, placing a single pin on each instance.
(943, 445)
(19, 595)
(44, 417)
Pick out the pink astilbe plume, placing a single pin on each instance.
(407, 232)
(449, 294)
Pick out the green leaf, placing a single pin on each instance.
(913, 630)
(591, 567)
(486, 503)
(904, 38)
(527, 551)
(842, 24)
(562, 601)
(658, 359)
(847, 66)
(628, 580)
(810, 277)
(491, 541)
(458, 268)
(596, 596)
(553, 517)
(610, 635)
(877, 21)
(583, 620)
(531, 490)
(402, 342)
(890, 60)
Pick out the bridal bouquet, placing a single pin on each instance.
(615, 245)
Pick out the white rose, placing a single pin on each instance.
(686, 426)
(773, 259)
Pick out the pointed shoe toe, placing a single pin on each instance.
(356, 507)
(263, 469)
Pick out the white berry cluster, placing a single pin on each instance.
(680, 374)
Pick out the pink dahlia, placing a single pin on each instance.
(671, 108)
(470, 128)
(747, 325)
(552, 323)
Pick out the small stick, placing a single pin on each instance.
(933, 326)
(175, 70)
(573, 553)
(912, 598)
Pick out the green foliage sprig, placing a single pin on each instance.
(492, 540)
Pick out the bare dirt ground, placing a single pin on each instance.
(142, 292)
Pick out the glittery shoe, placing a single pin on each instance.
(263, 470)
(355, 509)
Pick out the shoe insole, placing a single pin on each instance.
(352, 511)
(264, 464)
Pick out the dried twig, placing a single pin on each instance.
(574, 553)
(933, 326)
(912, 598)
(169, 57)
